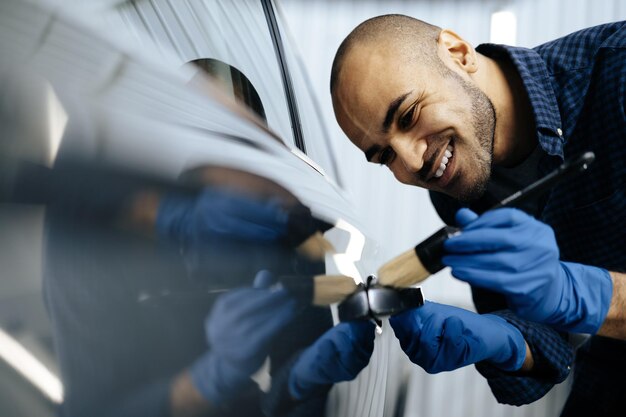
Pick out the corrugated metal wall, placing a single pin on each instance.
(400, 216)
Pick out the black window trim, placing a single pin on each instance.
(294, 114)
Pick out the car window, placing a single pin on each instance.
(234, 33)
(234, 83)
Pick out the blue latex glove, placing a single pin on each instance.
(338, 355)
(220, 212)
(239, 330)
(509, 252)
(440, 338)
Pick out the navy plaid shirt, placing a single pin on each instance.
(577, 88)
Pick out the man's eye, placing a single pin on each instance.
(386, 156)
(406, 120)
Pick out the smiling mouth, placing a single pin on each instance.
(435, 168)
(447, 155)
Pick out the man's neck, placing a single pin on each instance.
(515, 135)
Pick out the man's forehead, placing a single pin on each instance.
(363, 86)
(368, 109)
(358, 108)
(353, 126)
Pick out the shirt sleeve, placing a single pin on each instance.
(552, 355)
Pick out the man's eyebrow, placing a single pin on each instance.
(393, 108)
(371, 151)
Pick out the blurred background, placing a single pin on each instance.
(399, 216)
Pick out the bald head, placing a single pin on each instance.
(411, 37)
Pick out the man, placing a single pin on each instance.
(473, 126)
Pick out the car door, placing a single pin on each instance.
(308, 138)
(119, 78)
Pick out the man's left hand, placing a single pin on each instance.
(440, 338)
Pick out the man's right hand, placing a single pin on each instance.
(512, 253)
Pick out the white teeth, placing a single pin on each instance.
(447, 154)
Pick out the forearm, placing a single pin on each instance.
(614, 325)
(185, 400)
(141, 213)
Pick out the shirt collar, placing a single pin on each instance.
(536, 79)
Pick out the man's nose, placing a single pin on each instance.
(410, 152)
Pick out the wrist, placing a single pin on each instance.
(584, 308)
(300, 386)
(185, 399)
(529, 362)
(510, 352)
(292, 386)
(614, 325)
(171, 214)
(300, 390)
(217, 380)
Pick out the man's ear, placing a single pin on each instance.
(457, 51)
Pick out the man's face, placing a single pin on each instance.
(431, 126)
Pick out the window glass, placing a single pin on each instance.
(234, 83)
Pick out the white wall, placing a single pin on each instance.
(401, 216)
